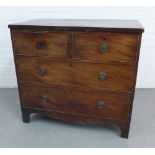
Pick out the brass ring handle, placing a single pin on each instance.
(102, 76)
(42, 71)
(100, 104)
(44, 98)
(104, 47)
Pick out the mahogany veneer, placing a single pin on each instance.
(80, 71)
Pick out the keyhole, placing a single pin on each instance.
(40, 44)
(104, 38)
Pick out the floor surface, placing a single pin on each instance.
(44, 132)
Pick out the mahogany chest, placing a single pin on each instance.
(80, 71)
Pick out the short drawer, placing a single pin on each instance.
(104, 76)
(77, 101)
(48, 44)
(106, 46)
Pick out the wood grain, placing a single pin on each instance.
(121, 47)
(77, 101)
(78, 74)
(132, 26)
(58, 63)
(52, 44)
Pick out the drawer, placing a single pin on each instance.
(48, 44)
(77, 101)
(78, 74)
(105, 46)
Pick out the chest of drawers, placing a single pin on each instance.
(80, 71)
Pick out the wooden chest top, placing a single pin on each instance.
(81, 25)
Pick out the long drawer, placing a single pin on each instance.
(102, 76)
(76, 101)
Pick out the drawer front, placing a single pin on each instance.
(40, 43)
(77, 74)
(105, 47)
(73, 101)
